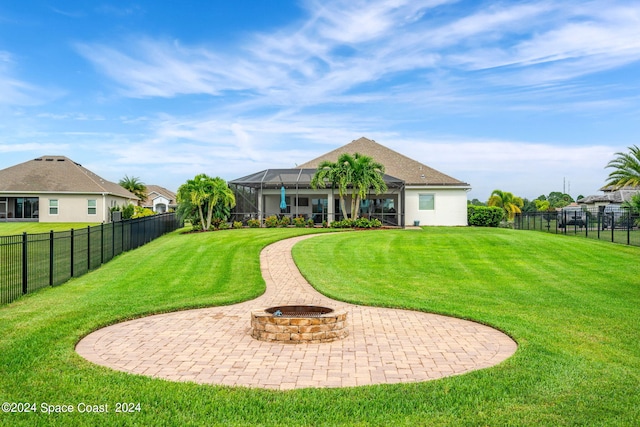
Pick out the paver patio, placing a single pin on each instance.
(214, 345)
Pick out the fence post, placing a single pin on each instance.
(587, 217)
(72, 251)
(88, 248)
(613, 227)
(102, 243)
(51, 234)
(628, 220)
(24, 264)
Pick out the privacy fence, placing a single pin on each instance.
(29, 262)
(612, 223)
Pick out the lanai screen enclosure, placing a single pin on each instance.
(259, 196)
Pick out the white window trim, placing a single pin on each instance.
(433, 196)
(95, 206)
(56, 207)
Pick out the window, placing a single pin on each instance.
(426, 202)
(53, 207)
(319, 209)
(91, 207)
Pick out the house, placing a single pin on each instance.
(57, 189)
(416, 192)
(159, 199)
(610, 196)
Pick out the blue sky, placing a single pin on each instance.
(522, 96)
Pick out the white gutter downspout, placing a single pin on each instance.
(104, 206)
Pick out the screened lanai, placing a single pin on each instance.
(288, 192)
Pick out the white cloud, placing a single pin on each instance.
(523, 168)
(351, 53)
(17, 92)
(355, 68)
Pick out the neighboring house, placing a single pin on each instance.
(159, 199)
(416, 192)
(609, 196)
(57, 189)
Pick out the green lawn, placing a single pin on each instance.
(13, 228)
(571, 303)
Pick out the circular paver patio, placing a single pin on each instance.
(214, 346)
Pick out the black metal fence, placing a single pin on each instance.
(29, 262)
(611, 223)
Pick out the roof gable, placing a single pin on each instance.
(56, 174)
(396, 164)
(155, 191)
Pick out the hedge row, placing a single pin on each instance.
(484, 216)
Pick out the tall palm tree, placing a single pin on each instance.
(338, 175)
(507, 201)
(366, 175)
(221, 202)
(135, 186)
(358, 172)
(191, 199)
(626, 169)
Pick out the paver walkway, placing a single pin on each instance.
(214, 345)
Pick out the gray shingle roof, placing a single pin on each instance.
(56, 174)
(612, 196)
(396, 164)
(275, 178)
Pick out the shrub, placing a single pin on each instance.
(484, 216)
(285, 221)
(367, 223)
(310, 223)
(299, 221)
(253, 223)
(271, 221)
(216, 223)
(128, 211)
(344, 223)
(237, 224)
(358, 223)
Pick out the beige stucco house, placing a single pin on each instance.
(416, 192)
(159, 199)
(57, 189)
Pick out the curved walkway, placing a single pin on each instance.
(214, 346)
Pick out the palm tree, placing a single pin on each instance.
(221, 202)
(135, 186)
(204, 193)
(335, 173)
(358, 172)
(367, 175)
(626, 171)
(507, 201)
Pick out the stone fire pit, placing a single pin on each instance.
(296, 324)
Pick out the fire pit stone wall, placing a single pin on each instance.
(297, 330)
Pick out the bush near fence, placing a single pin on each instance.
(621, 227)
(484, 216)
(29, 262)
